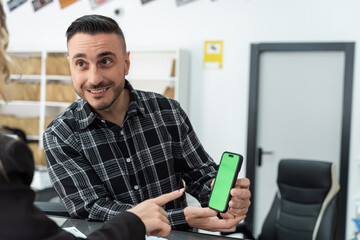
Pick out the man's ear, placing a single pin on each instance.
(127, 63)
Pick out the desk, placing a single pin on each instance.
(88, 227)
(180, 235)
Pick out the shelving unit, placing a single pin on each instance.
(29, 109)
(44, 88)
(162, 71)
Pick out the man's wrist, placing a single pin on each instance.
(177, 219)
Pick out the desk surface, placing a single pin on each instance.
(88, 227)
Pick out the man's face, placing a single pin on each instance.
(98, 67)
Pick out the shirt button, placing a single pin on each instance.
(128, 160)
(136, 187)
(122, 132)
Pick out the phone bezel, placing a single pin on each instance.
(238, 167)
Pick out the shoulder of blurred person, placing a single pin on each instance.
(19, 219)
(16, 159)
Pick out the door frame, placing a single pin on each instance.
(256, 50)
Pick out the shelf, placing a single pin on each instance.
(57, 104)
(33, 138)
(151, 78)
(58, 78)
(25, 54)
(20, 103)
(35, 78)
(38, 77)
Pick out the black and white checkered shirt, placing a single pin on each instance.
(100, 169)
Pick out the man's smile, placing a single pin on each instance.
(98, 92)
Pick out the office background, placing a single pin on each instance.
(218, 97)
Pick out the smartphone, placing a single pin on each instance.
(226, 176)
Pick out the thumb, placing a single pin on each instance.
(163, 199)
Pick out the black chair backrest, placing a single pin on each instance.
(305, 206)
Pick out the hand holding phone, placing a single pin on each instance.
(226, 176)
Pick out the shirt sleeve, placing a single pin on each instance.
(74, 179)
(177, 219)
(125, 225)
(199, 169)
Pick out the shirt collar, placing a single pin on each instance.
(85, 115)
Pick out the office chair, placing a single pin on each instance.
(306, 204)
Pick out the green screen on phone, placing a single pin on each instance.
(224, 181)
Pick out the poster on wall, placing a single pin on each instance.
(12, 4)
(37, 4)
(146, 1)
(182, 2)
(65, 3)
(96, 3)
(213, 54)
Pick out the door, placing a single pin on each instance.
(299, 101)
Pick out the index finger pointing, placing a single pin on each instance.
(165, 198)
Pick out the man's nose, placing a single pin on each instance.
(95, 76)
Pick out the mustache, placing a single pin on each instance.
(100, 85)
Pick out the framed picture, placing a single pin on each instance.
(37, 4)
(15, 3)
(96, 3)
(213, 54)
(182, 2)
(146, 1)
(65, 3)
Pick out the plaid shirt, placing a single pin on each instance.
(100, 169)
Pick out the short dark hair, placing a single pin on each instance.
(94, 24)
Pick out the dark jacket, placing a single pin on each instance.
(21, 220)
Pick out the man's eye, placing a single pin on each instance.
(105, 61)
(80, 64)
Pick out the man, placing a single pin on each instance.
(20, 219)
(116, 146)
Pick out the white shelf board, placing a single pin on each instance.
(25, 77)
(151, 78)
(57, 104)
(33, 138)
(20, 103)
(58, 78)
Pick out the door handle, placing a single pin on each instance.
(260, 153)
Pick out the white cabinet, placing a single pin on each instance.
(162, 71)
(40, 91)
(44, 88)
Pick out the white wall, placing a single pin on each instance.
(218, 98)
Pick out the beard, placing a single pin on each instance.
(117, 92)
(105, 105)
